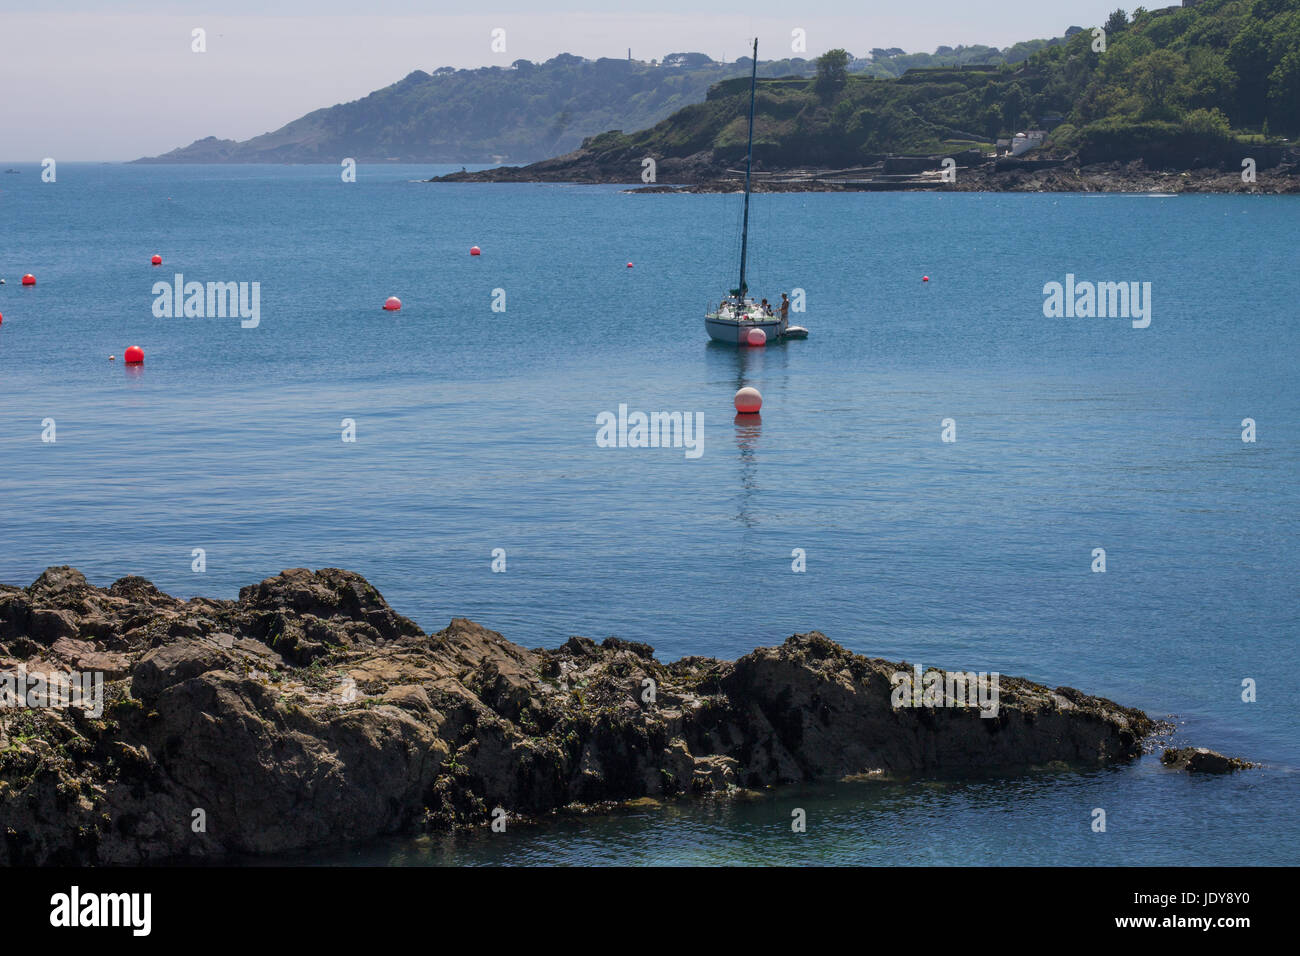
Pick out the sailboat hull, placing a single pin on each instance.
(734, 331)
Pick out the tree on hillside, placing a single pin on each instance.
(1118, 21)
(689, 61)
(1209, 123)
(1158, 78)
(1013, 108)
(1284, 89)
(1250, 57)
(1211, 83)
(832, 70)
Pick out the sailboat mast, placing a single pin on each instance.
(749, 159)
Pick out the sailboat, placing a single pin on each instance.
(737, 315)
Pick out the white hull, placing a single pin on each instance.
(734, 331)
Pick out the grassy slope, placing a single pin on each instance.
(1185, 83)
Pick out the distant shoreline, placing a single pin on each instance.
(1063, 176)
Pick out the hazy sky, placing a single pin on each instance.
(118, 80)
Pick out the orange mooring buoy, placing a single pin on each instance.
(748, 400)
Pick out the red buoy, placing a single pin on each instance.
(925, 278)
(756, 337)
(392, 304)
(134, 355)
(629, 265)
(156, 260)
(2, 318)
(748, 400)
(475, 251)
(29, 279)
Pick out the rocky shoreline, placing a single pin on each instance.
(308, 713)
(701, 175)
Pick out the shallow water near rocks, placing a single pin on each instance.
(1033, 819)
(476, 430)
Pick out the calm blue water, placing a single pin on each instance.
(476, 430)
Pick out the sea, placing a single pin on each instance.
(942, 472)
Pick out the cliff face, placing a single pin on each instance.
(308, 712)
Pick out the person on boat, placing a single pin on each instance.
(767, 309)
(785, 313)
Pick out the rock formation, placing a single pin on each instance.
(1202, 760)
(308, 713)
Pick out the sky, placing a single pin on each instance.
(106, 80)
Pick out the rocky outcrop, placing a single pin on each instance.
(1201, 760)
(308, 712)
(1125, 177)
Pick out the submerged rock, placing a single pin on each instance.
(308, 713)
(1202, 760)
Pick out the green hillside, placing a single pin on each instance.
(1177, 85)
(528, 110)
